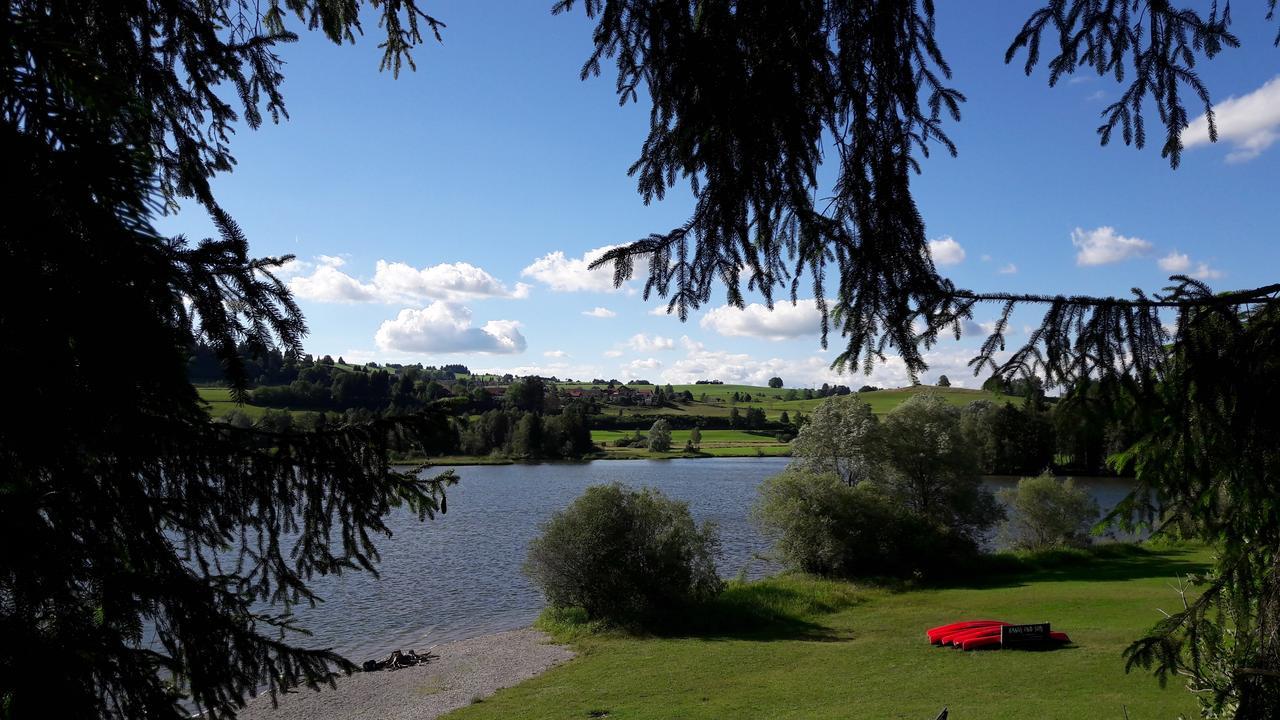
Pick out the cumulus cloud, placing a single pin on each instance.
(444, 327)
(1174, 262)
(1251, 123)
(560, 370)
(1204, 272)
(641, 368)
(702, 363)
(329, 284)
(1008, 269)
(600, 312)
(555, 354)
(649, 343)
(566, 274)
(398, 282)
(1103, 245)
(946, 251)
(784, 322)
(613, 353)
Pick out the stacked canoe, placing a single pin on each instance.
(981, 634)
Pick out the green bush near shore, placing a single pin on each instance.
(632, 558)
(797, 647)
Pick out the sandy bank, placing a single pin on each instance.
(465, 670)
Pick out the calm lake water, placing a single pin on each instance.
(458, 576)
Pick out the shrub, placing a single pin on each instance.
(627, 557)
(827, 527)
(1047, 512)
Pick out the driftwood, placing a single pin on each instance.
(400, 659)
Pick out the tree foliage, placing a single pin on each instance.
(124, 506)
(1045, 512)
(748, 99)
(841, 438)
(930, 467)
(660, 436)
(1206, 459)
(629, 557)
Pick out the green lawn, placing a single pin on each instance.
(715, 443)
(718, 402)
(680, 437)
(821, 649)
(220, 403)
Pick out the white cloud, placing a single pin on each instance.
(329, 284)
(946, 251)
(986, 258)
(1204, 272)
(402, 282)
(397, 282)
(1103, 245)
(785, 321)
(600, 312)
(555, 354)
(646, 343)
(613, 353)
(566, 274)
(292, 268)
(554, 369)
(1008, 269)
(641, 368)
(1251, 123)
(1096, 96)
(1175, 262)
(444, 327)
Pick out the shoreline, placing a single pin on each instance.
(466, 672)
(470, 460)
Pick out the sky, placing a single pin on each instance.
(448, 215)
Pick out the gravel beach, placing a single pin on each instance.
(466, 669)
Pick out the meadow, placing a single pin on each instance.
(793, 646)
(711, 401)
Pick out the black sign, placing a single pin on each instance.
(1024, 634)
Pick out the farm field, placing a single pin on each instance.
(809, 648)
(719, 403)
(716, 443)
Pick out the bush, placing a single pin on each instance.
(1047, 513)
(627, 557)
(827, 527)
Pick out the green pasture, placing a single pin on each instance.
(794, 647)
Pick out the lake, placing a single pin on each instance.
(458, 576)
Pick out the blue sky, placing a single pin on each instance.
(445, 216)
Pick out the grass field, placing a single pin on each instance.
(795, 647)
(719, 401)
(715, 443)
(220, 403)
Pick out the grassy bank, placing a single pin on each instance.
(796, 647)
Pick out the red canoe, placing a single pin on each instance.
(935, 634)
(984, 632)
(986, 641)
